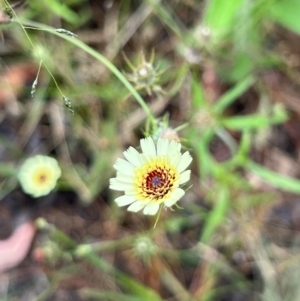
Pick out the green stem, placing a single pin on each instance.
(32, 45)
(92, 52)
(125, 281)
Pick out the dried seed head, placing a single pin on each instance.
(144, 76)
(144, 248)
(205, 31)
(204, 119)
(170, 134)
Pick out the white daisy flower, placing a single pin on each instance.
(153, 177)
(38, 175)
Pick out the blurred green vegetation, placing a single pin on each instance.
(215, 56)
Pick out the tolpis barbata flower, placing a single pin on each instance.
(151, 178)
(38, 175)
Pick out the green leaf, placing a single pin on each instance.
(220, 14)
(286, 12)
(230, 96)
(242, 65)
(201, 147)
(129, 284)
(198, 97)
(101, 59)
(95, 294)
(277, 180)
(63, 11)
(166, 16)
(253, 121)
(242, 154)
(217, 215)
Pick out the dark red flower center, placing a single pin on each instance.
(158, 182)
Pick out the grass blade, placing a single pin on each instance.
(229, 97)
(283, 182)
(217, 215)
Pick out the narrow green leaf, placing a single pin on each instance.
(253, 121)
(242, 66)
(198, 97)
(245, 145)
(201, 147)
(286, 13)
(60, 9)
(217, 215)
(220, 14)
(230, 96)
(125, 281)
(247, 122)
(275, 179)
(101, 59)
(95, 294)
(166, 16)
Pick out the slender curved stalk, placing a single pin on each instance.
(38, 26)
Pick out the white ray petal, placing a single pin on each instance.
(173, 152)
(184, 177)
(162, 147)
(151, 208)
(137, 206)
(124, 166)
(39, 192)
(130, 191)
(144, 158)
(184, 162)
(40, 159)
(124, 200)
(169, 202)
(133, 156)
(148, 147)
(119, 186)
(177, 194)
(124, 178)
(174, 146)
(174, 157)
